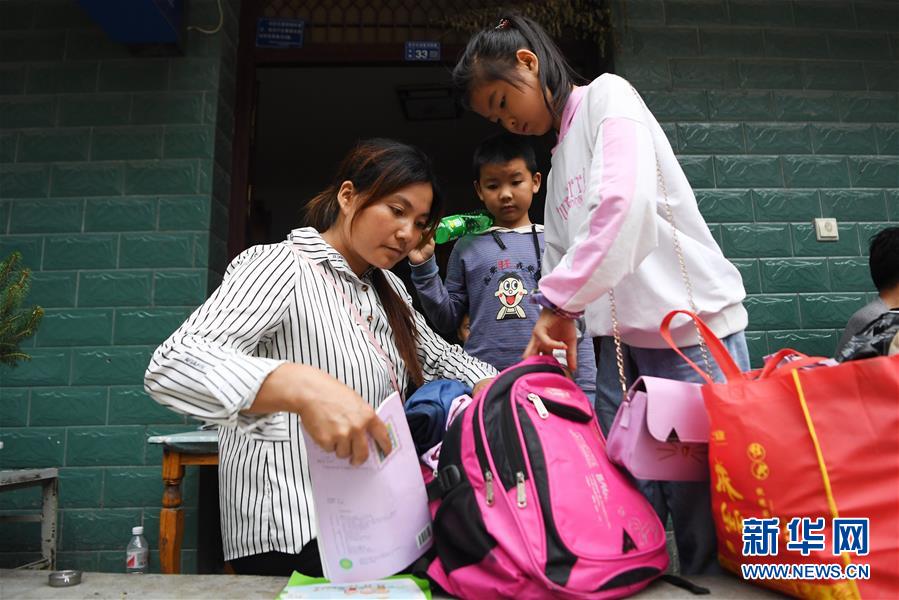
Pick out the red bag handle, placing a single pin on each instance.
(727, 365)
(771, 364)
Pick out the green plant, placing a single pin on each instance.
(585, 20)
(16, 324)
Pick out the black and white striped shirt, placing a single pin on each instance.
(271, 309)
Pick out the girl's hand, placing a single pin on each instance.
(422, 253)
(333, 414)
(481, 385)
(552, 332)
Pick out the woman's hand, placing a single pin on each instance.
(553, 332)
(481, 385)
(333, 414)
(422, 253)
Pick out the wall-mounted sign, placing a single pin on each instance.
(280, 33)
(423, 51)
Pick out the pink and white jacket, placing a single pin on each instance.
(606, 225)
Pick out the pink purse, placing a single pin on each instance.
(661, 431)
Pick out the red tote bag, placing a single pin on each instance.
(806, 441)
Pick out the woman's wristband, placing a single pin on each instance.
(543, 301)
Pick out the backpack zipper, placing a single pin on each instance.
(545, 406)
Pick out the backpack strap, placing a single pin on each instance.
(684, 584)
(445, 480)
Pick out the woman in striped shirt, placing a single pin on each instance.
(278, 345)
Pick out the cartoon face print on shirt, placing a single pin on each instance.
(510, 293)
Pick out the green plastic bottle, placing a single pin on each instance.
(453, 227)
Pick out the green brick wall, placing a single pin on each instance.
(114, 184)
(780, 111)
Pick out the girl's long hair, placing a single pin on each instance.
(377, 168)
(490, 56)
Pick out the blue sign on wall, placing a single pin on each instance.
(423, 51)
(280, 33)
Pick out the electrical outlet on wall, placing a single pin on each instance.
(826, 230)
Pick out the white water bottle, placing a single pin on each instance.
(137, 554)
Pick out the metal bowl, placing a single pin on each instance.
(66, 578)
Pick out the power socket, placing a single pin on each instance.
(826, 230)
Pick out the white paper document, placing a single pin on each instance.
(373, 519)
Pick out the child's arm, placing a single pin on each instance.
(620, 228)
(445, 304)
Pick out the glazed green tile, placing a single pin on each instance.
(772, 312)
(61, 15)
(24, 181)
(769, 74)
(888, 139)
(105, 446)
(815, 171)
(84, 179)
(115, 288)
(876, 15)
(20, 499)
(53, 145)
(110, 366)
(80, 251)
(806, 106)
(699, 170)
(157, 250)
(184, 213)
(68, 406)
(785, 275)
(854, 205)
(739, 105)
(106, 109)
(80, 487)
(47, 366)
(835, 75)
(8, 143)
(850, 275)
(678, 106)
(703, 73)
(23, 540)
(893, 204)
(777, 138)
(645, 75)
(790, 43)
(706, 138)
(760, 12)
(92, 529)
(806, 244)
(149, 326)
(126, 143)
(92, 44)
(866, 231)
(725, 206)
(167, 108)
(62, 78)
(12, 79)
(133, 75)
(695, 12)
(780, 205)
(194, 74)
(882, 76)
(843, 139)
(645, 11)
(30, 246)
(75, 327)
(748, 240)
(808, 341)
(179, 288)
(32, 447)
(130, 405)
(46, 216)
(648, 42)
(205, 183)
(13, 407)
(749, 271)
(731, 42)
(16, 15)
(27, 111)
(77, 561)
(161, 177)
(870, 107)
(848, 45)
(189, 142)
(815, 14)
(748, 171)
(828, 310)
(874, 172)
(131, 213)
(133, 486)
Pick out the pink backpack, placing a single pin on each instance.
(527, 505)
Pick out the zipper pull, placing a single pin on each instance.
(488, 480)
(538, 404)
(519, 490)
